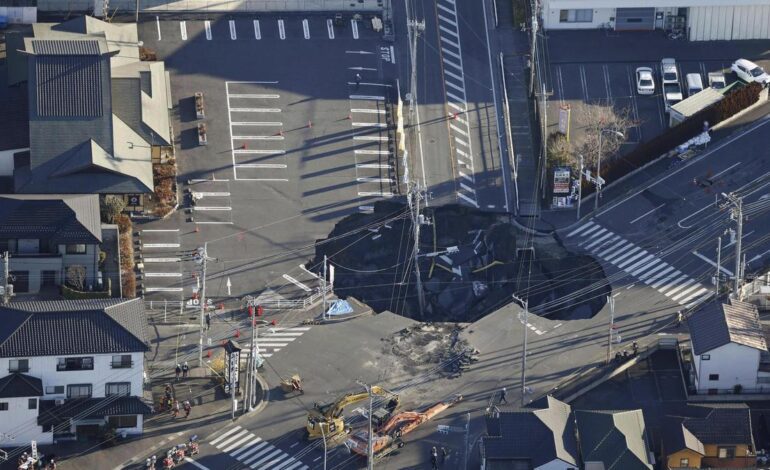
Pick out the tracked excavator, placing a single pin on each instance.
(327, 420)
(387, 438)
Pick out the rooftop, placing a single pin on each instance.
(65, 219)
(718, 324)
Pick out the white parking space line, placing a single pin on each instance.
(233, 34)
(606, 73)
(259, 152)
(560, 85)
(255, 95)
(281, 29)
(584, 83)
(368, 111)
(162, 260)
(330, 28)
(163, 289)
(634, 105)
(306, 29)
(255, 110)
(258, 123)
(257, 30)
(258, 137)
(183, 30)
(213, 208)
(146, 274)
(367, 97)
(371, 137)
(160, 245)
(369, 124)
(354, 27)
(207, 27)
(260, 165)
(157, 23)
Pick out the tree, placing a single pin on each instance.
(111, 207)
(594, 119)
(76, 277)
(560, 151)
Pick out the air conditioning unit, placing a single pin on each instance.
(59, 401)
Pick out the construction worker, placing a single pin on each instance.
(679, 318)
(503, 395)
(187, 408)
(358, 79)
(178, 371)
(185, 370)
(433, 458)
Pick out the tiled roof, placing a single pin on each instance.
(718, 324)
(64, 219)
(69, 327)
(722, 425)
(89, 408)
(616, 439)
(539, 436)
(64, 47)
(68, 85)
(20, 385)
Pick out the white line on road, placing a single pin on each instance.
(193, 462)
(163, 289)
(211, 194)
(383, 166)
(362, 53)
(160, 230)
(233, 34)
(213, 208)
(374, 180)
(257, 137)
(468, 200)
(371, 84)
(161, 260)
(448, 31)
(297, 283)
(367, 97)
(257, 123)
(207, 26)
(712, 263)
(330, 28)
(371, 137)
(183, 30)
(354, 26)
(281, 29)
(368, 111)
(646, 214)
(306, 29)
(447, 9)
(260, 165)
(375, 193)
(254, 95)
(259, 152)
(198, 222)
(372, 152)
(257, 30)
(160, 245)
(157, 23)
(369, 124)
(448, 20)
(162, 274)
(255, 110)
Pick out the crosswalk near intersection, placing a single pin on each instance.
(640, 263)
(253, 452)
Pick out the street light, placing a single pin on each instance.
(599, 165)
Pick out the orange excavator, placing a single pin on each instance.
(387, 438)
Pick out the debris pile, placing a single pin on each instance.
(432, 346)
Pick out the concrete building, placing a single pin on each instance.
(75, 367)
(727, 346)
(702, 20)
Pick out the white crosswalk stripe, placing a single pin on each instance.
(276, 339)
(254, 452)
(640, 263)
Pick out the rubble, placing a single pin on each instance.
(432, 346)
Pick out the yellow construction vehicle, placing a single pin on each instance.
(327, 420)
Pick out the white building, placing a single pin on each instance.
(727, 345)
(703, 20)
(75, 367)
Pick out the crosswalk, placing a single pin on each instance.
(640, 263)
(277, 338)
(253, 452)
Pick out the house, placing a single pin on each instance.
(74, 367)
(48, 236)
(704, 20)
(613, 440)
(97, 113)
(720, 438)
(542, 439)
(727, 346)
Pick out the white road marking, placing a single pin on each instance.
(257, 123)
(647, 213)
(369, 124)
(222, 436)
(392, 55)
(712, 263)
(163, 289)
(375, 193)
(453, 54)
(448, 31)
(207, 26)
(297, 283)
(448, 20)
(194, 463)
(449, 41)
(468, 200)
(162, 274)
(330, 28)
(260, 165)
(372, 84)
(372, 152)
(162, 260)
(354, 26)
(183, 30)
(446, 9)
(255, 110)
(257, 137)
(306, 29)
(160, 230)
(370, 137)
(259, 152)
(367, 97)
(364, 179)
(581, 228)
(233, 34)
(368, 111)
(211, 194)
(160, 245)
(157, 23)
(281, 29)
(257, 30)
(254, 95)
(213, 208)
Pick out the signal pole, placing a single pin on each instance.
(525, 304)
(719, 266)
(204, 257)
(611, 301)
(580, 187)
(737, 215)
(6, 276)
(414, 196)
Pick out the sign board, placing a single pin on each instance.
(33, 445)
(561, 179)
(564, 117)
(232, 367)
(134, 200)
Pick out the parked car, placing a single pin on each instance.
(717, 80)
(672, 94)
(749, 72)
(694, 83)
(668, 71)
(645, 84)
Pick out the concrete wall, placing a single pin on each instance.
(709, 23)
(551, 19)
(735, 364)
(18, 424)
(19, 15)
(6, 156)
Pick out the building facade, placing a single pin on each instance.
(701, 20)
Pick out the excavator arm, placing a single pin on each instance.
(335, 409)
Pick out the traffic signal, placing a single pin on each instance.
(251, 311)
(260, 311)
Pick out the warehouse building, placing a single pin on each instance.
(702, 20)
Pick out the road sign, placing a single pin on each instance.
(229, 285)
(33, 445)
(564, 118)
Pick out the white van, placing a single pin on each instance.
(694, 83)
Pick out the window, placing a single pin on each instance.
(713, 376)
(3, 406)
(54, 389)
(576, 16)
(122, 421)
(75, 363)
(684, 463)
(18, 365)
(726, 452)
(121, 389)
(122, 362)
(705, 357)
(79, 391)
(78, 249)
(32, 404)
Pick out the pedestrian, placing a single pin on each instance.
(187, 408)
(208, 321)
(358, 79)
(175, 409)
(443, 455)
(635, 347)
(178, 371)
(503, 396)
(679, 318)
(433, 459)
(185, 370)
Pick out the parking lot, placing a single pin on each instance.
(299, 136)
(602, 71)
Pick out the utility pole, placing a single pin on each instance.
(6, 276)
(544, 138)
(533, 47)
(416, 28)
(525, 304)
(369, 449)
(137, 11)
(719, 266)
(737, 215)
(413, 198)
(580, 187)
(611, 301)
(323, 286)
(204, 257)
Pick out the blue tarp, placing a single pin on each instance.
(339, 307)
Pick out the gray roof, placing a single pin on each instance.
(718, 324)
(62, 219)
(722, 425)
(699, 101)
(539, 436)
(70, 327)
(20, 385)
(615, 438)
(88, 408)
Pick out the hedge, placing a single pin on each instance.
(72, 294)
